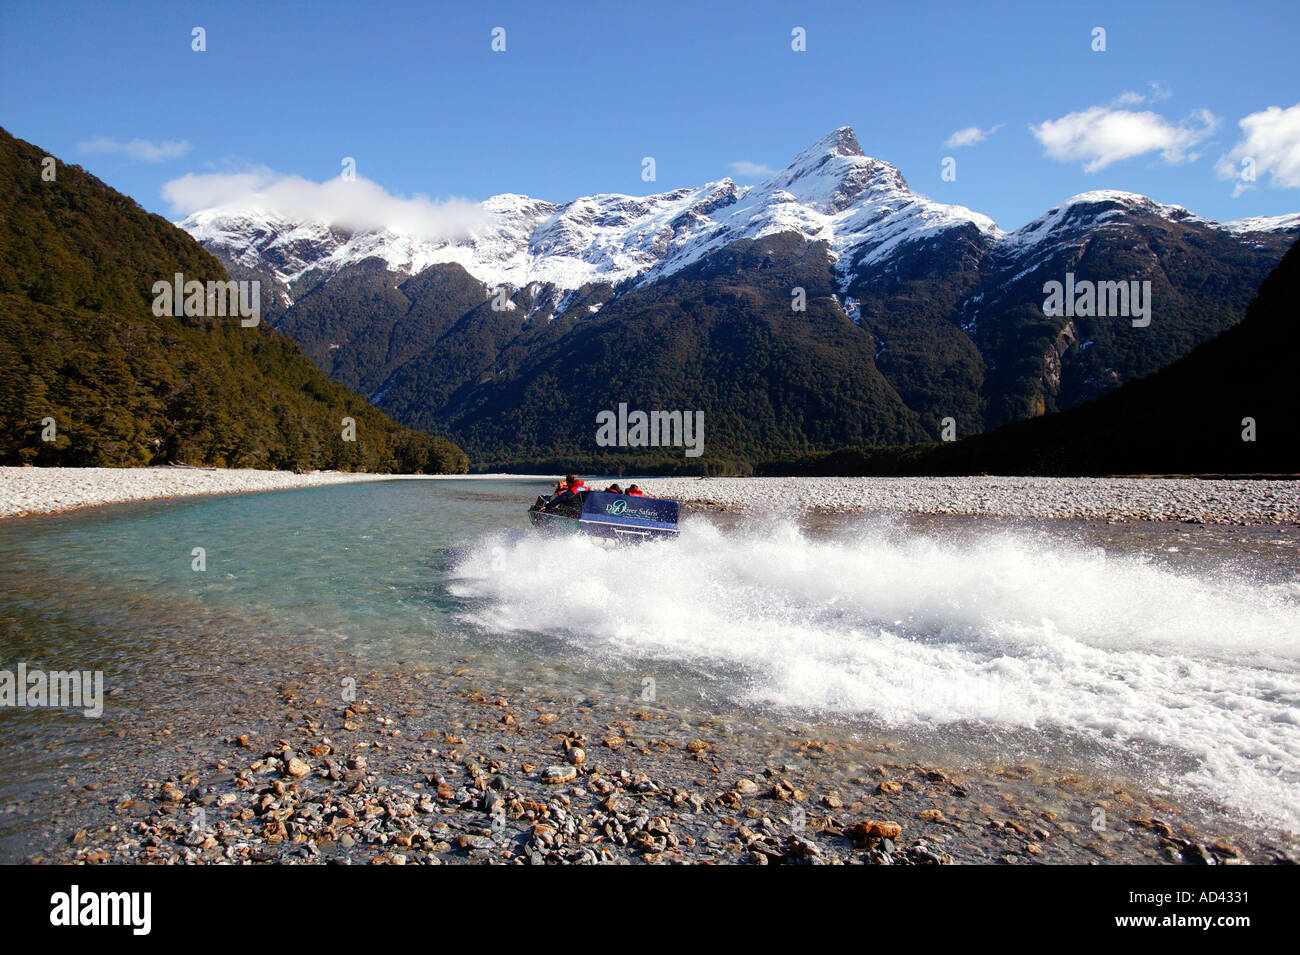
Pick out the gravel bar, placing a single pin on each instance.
(50, 490)
(1218, 501)
(433, 766)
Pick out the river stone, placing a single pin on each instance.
(555, 775)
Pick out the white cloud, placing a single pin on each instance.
(1156, 92)
(1101, 135)
(141, 150)
(969, 136)
(1271, 141)
(357, 204)
(748, 170)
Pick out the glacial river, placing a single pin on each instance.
(1166, 653)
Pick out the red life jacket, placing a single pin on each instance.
(637, 493)
(577, 486)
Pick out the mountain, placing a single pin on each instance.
(80, 344)
(916, 311)
(830, 192)
(1228, 407)
(1202, 275)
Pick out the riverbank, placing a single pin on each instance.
(51, 490)
(1216, 501)
(437, 766)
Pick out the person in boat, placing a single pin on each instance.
(613, 489)
(634, 491)
(570, 485)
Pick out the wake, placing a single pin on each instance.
(1008, 629)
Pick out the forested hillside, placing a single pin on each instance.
(80, 344)
(1229, 407)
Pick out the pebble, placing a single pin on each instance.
(554, 775)
(657, 802)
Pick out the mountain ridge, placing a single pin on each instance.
(614, 237)
(941, 311)
(1227, 407)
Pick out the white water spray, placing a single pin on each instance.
(1008, 629)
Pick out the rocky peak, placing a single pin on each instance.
(833, 172)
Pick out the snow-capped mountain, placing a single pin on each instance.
(831, 192)
(1102, 208)
(525, 241)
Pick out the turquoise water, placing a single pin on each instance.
(1170, 651)
(363, 565)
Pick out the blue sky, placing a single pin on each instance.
(583, 92)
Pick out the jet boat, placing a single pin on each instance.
(603, 514)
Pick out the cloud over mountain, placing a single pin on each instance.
(1272, 140)
(749, 170)
(352, 204)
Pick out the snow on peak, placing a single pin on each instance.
(834, 171)
(1285, 223)
(1095, 196)
(1087, 210)
(838, 142)
(831, 191)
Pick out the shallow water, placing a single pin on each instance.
(1168, 653)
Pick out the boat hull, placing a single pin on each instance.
(614, 517)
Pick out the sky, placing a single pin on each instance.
(1017, 95)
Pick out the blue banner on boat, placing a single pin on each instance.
(622, 507)
(612, 516)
